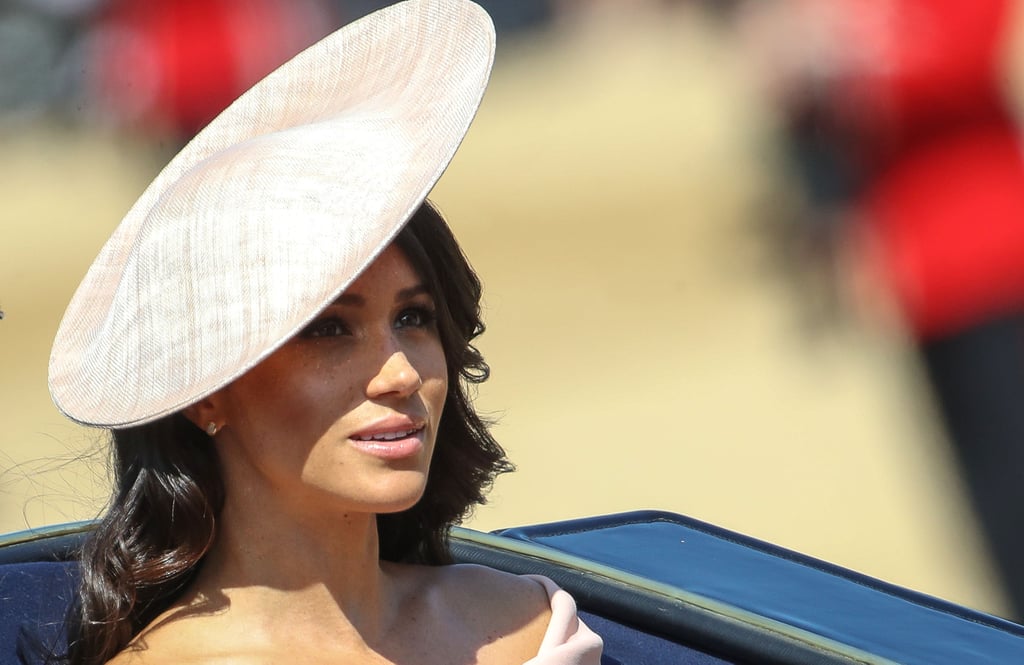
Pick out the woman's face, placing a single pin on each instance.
(348, 410)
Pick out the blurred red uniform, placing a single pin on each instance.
(945, 197)
(175, 64)
(942, 198)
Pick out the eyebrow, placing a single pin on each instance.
(356, 300)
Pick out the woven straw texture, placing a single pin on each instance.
(270, 212)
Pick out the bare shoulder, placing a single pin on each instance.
(511, 612)
(144, 656)
(181, 636)
(507, 590)
(139, 654)
(176, 652)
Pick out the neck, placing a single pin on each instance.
(314, 567)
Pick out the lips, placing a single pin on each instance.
(391, 438)
(388, 436)
(389, 428)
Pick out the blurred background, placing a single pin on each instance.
(760, 262)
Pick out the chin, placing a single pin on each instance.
(400, 505)
(395, 497)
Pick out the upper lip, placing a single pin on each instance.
(396, 424)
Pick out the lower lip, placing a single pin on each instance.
(395, 449)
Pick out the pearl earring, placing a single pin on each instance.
(211, 428)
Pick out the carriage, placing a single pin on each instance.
(660, 588)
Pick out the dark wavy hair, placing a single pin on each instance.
(163, 517)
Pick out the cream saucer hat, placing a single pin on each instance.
(270, 212)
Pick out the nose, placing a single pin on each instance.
(396, 376)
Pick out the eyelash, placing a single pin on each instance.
(427, 316)
(333, 326)
(328, 326)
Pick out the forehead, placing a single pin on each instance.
(390, 272)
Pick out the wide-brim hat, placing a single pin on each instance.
(270, 212)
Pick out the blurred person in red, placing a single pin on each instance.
(172, 65)
(909, 102)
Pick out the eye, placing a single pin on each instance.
(330, 326)
(415, 317)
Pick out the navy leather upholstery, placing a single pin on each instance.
(753, 601)
(626, 645)
(34, 600)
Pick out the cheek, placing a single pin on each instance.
(433, 370)
(301, 402)
(435, 394)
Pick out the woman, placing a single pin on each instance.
(278, 334)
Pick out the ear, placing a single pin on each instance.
(206, 414)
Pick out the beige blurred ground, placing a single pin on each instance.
(646, 353)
